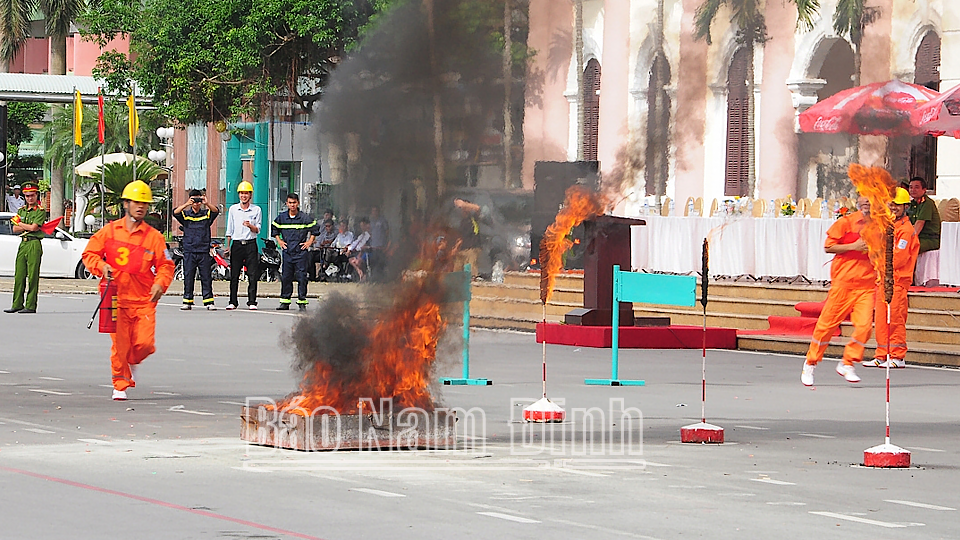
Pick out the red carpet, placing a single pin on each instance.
(934, 289)
(637, 337)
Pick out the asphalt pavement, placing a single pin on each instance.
(168, 463)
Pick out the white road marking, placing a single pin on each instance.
(866, 521)
(4, 372)
(923, 449)
(95, 441)
(37, 430)
(606, 530)
(508, 517)
(179, 408)
(377, 492)
(577, 471)
(772, 481)
(165, 393)
(50, 378)
(231, 403)
(655, 464)
(253, 469)
(920, 505)
(816, 435)
(273, 370)
(787, 503)
(53, 392)
(752, 427)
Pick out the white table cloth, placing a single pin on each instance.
(950, 253)
(759, 247)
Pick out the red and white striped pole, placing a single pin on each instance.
(703, 432)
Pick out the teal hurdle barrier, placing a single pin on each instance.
(644, 289)
(458, 289)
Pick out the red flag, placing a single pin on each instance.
(101, 127)
(51, 225)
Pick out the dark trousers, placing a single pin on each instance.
(244, 254)
(193, 263)
(294, 265)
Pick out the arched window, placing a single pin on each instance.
(737, 176)
(591, 109)
(658, 127)
(923, 155)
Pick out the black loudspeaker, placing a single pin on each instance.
(552, 178)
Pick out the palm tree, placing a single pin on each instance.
(14, 29)
(849, 20)
(747, 18)
(116, 176)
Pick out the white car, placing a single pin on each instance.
(61, 252)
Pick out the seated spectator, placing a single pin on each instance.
(322, 252)
(360, 248)
(339, 249)
(924, 215)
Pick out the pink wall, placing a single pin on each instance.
(81, 55)
(547, 112)
(777, 140)
(690, 122)
(614, 83)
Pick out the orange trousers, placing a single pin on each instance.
(859, 304)
(133, 341)
(896, 337)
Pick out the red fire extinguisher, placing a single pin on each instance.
(108, 306)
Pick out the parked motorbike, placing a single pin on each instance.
(175, 254)
(221, 264)
(270, 261)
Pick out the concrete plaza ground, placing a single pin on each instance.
(168, 463)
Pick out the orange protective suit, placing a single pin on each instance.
(893, 339)
(139, 262)
(852, 283)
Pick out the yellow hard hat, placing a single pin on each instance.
(245, 186)
(138, 191)
(903, 196)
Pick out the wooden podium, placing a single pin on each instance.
(608, 244)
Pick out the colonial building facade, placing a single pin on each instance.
(672, 111)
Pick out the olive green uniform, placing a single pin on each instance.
(27, 276)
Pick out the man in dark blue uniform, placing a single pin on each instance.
(195, 217)
(294, 231)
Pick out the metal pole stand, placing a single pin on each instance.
(458, 286)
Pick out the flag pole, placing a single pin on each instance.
(133, 134)
(73, 158)
(103, 158)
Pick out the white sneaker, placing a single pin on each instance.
(806, 376)
(211, 307)
(847, 372)
(186, 307)
(231, 307)
(252, 307)
(876, 362)
(894, 363)
(119, 395)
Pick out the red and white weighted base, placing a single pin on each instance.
(701, 433)
(887, 456)
(544, 410)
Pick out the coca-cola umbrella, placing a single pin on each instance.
(940, 116)
(883, 108)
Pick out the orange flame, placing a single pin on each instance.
(399, 358)
(877, 185)
(580, 204)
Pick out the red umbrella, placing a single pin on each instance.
(940, 116)
(882, 108)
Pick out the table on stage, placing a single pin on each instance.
(783, 247)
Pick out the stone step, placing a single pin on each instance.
(527, 310)
(929, 354)
(532, 279)
(525, 292)
(690, 317)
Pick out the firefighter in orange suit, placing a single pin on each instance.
(906, 247)
(852, 283)
(132, 254)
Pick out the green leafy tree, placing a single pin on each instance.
(20, 115)
(748, 21)
(207, 60)
(14, 29)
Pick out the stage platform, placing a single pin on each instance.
(637, 337)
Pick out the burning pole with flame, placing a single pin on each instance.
(580, 204)
(703, 432)
(877, 185)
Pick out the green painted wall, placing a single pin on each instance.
(251, 145)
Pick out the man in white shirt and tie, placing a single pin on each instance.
(243, 224)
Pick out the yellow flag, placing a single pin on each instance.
(134, 122)
(77, 118)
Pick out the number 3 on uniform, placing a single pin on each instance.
(123, 256)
